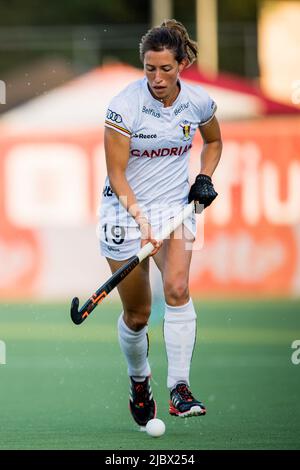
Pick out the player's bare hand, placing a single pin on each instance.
(148, 236)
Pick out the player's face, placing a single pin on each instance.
(161, 69)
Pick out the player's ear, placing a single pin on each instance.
(183, 65)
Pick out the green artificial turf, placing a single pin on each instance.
(66, 387)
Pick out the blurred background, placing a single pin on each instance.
(60, 66)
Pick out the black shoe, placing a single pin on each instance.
(141, 403)
(182, 402)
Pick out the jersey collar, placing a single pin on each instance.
(158, 102)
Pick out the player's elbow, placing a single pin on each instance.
(214, 148)
(216, 144)
(219, 147)
(116, 178)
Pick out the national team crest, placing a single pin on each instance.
(186, 129)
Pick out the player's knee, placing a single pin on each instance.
(137, 319)
(176, 292)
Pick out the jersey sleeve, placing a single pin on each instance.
(208, 109)
(118, 117)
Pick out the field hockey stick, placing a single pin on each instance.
(78, 316)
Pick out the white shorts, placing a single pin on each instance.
(121, 243)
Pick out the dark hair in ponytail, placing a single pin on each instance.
(171, 34)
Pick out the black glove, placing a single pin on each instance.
(202, 191)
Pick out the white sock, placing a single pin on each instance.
(134, 345)
(180, 337)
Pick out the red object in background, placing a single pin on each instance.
(252, 231)
(251, 240)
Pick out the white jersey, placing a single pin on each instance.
(160, 143)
